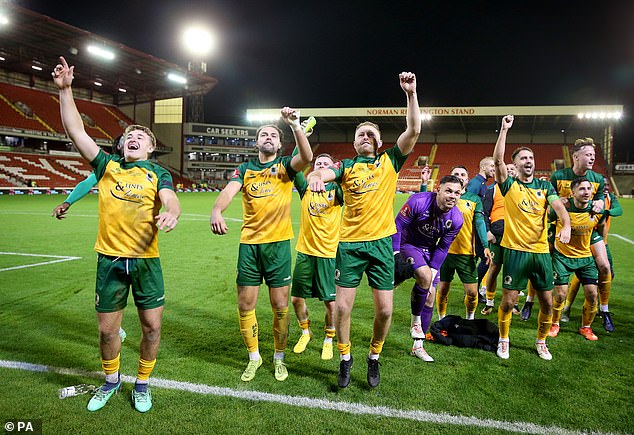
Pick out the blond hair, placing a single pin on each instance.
(142, 128)
(582, 142)
(370, 124)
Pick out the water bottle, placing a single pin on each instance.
(75, 390)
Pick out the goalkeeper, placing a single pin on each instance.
(426, 226)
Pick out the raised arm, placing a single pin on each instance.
(305, 153)
(73, 124)
(407, 139)
(216, 221)
(500, 147)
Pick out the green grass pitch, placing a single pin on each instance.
(47, 318)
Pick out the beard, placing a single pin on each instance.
(268, 149)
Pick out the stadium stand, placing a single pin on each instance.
(102, 121)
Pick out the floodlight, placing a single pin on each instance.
(36, 67)
(199, 41)
(4, 20)
(98, 83)
(122, 90)
(177, 78)
(262, 117)
(100, 52)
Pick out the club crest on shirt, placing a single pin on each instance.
(149, 177)
(448, 223)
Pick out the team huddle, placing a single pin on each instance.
(347, 229)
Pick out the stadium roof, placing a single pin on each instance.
(31, 39)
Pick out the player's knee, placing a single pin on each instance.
(604, 269)
(152, 333)
(108, 337)
(383, 314)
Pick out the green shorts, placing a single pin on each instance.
(585, 269)
(595, 237)
(314, 277)
(375, 258)
(465, 265)
(519, 267)
(271, 261)
(115, 276)
(497, 252)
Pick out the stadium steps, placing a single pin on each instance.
(14, 117)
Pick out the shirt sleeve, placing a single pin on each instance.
(300, 184)
(551, 193)
(487, 206)
(164, 180)
(100, 162)
(473, 186)
(600, 196)
(480, 225)
(238, 174)
(82, 189)
(397, 158)
(615, 207)
(403, 219)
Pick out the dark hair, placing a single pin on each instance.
(117, 145)
(517, 151)
(459, 167)
(578, 181)
(279, 131)
(450, 179)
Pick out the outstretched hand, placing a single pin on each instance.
(166, 221)
(60, 211)
(63, 74)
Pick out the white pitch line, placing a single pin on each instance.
(314, 403)
(625, 239)
(61, 258)
(71, 214)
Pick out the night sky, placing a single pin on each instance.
(348, 53)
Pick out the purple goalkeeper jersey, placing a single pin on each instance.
(422, 224)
